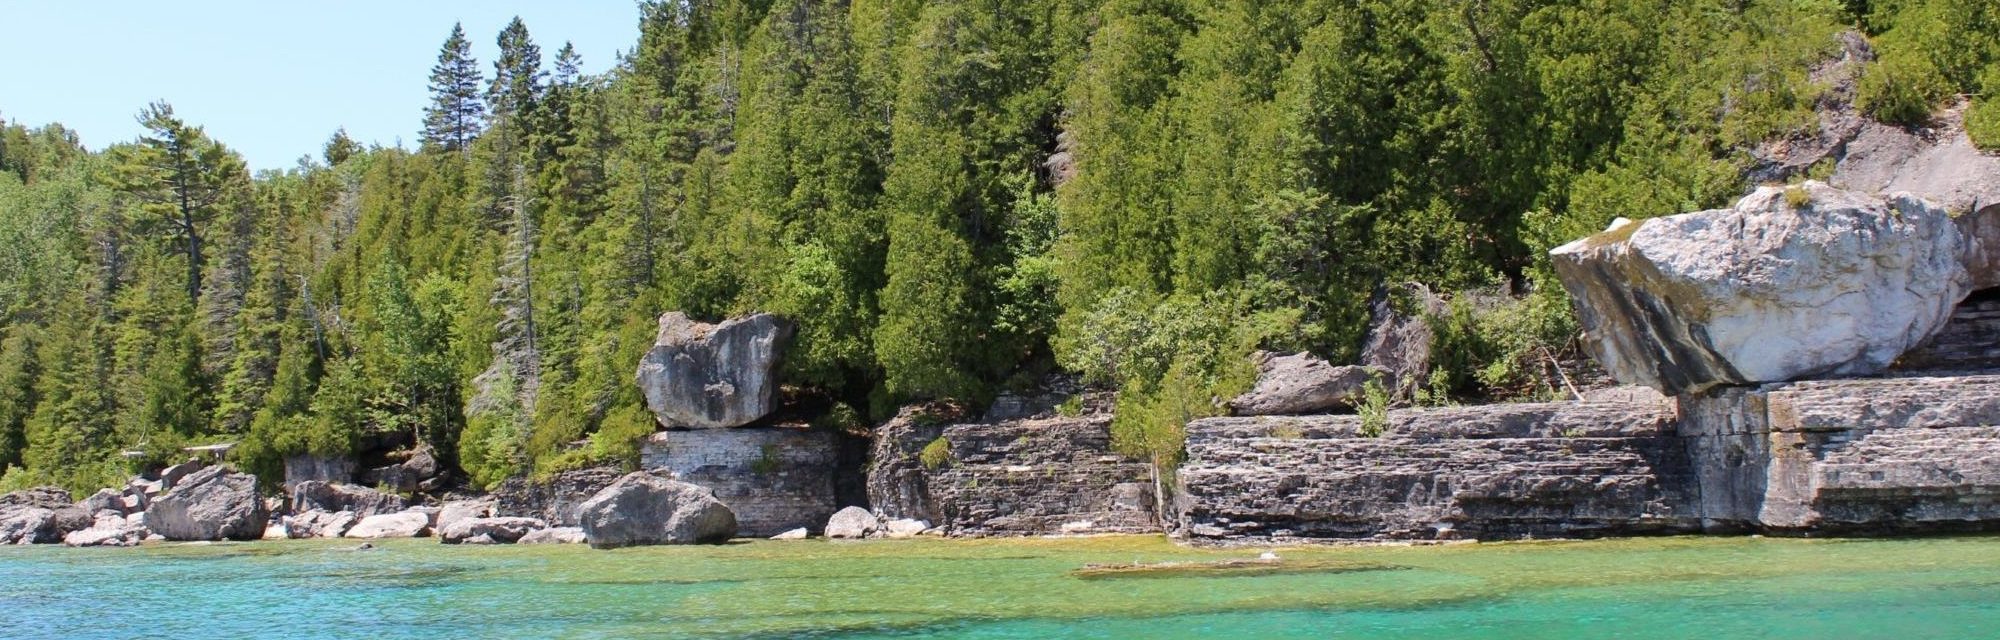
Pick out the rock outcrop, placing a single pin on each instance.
(489, 530)
(314, 495)
(402, 524)
(1018, 477)
(417, 470)
(555, 500)
(109, 530)
(1789, 283)
(1302, 383)
(773, 478)
(213, 503)
(646, 509)
(704, 376)
(305, 467)
(1496, 471)
(1893, 455)
(1398, 343)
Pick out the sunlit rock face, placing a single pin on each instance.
(1790, 283)
(708, 376)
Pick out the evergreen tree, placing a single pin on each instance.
(456, 113)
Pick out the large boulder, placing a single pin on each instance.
(642, 508)
(314, 495)
(402, 524)
(103, 500)
(1791, 282)
(418, 470)
(852, 522)
(1301, 383)
(489, 530)
(704, 376)
(213, 503)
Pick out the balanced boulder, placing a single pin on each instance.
(213, 503)
(704, 376)
(1791, 282)
(642, 508)
(491, 530)
(1301, 383)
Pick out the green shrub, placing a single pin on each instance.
(1982, 119)
(1901, 88)
(1797, 198)
(936, 455)
(1374, 409)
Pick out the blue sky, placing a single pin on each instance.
(270, 79)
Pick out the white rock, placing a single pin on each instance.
(1765, 291)
(402, 524)
(555, 535)
(795, 534)
(852, 522)
(904, 528)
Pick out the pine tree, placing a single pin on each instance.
(456, 113)
(181, 176)
(517, 76)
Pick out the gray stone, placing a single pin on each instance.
(555, 535)
(103, 500)
(1765, 291)
(903, 528)
(457, 510)
(852, 522)
(795, 534)
(418, 468)
(1499, 471)
(43, 497)
(171, 476)
(306, 467)
(20, 524)
(213, 503)
(1896, 455)
(1023, 477)
(314, 495)
(1301, 383)
(402, 524)
(773, 478)
(702, 376)
(556, 499)
(319, 524)
(645, 509)
(107, 531)
(1399, 344)
(494, 530)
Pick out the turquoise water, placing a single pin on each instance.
(1639, 588)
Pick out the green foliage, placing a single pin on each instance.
(1903, 88)
(1374, 409)
(1982, 118)
(936, 455)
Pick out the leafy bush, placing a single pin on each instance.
(1902, 88)
(1374, 409)
(935, 455)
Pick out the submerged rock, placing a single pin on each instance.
(1301, 383)
(213, 503)
(1789, 283)
(704, 376)
(645, 509)
(493, 530)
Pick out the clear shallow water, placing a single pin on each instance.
(1639, 588)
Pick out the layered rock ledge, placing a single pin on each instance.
(1014, 477)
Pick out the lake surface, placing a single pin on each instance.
(1638, 588)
